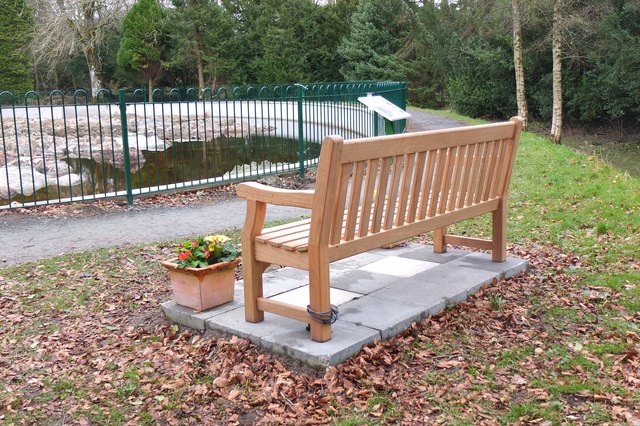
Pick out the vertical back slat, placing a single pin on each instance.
(437, 182)
(338, 209)
(506, 172)
(405, 188)
(475, 171)
(483, 172)
(381, 195)
(416, 186)
(491, 170)
(396, 175)
(499, 166)
(457, 175)
(369, 189)
(354, 201)
(446, 182)
(425, 192)
(464, 183)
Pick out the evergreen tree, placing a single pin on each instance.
(16, 26)
(143, 41)
(332, 25)
(202, 41)
(378, 31)
(277, 39)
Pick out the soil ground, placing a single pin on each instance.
(31, 234)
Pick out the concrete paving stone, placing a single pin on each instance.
(233, 322)
(398, 266)
(360, 281)
(507, 269)
(197, 320)
(274, 283)
(299, 275)
(389, 317)
(451, 274)
(357, 261)
(424, 252)
(443, 283)
(347, 340)
(431, 296)
(300, 296)
(395, 251)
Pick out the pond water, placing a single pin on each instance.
(182, 162)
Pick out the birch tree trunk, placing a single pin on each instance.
(518, 65)
(556, 49)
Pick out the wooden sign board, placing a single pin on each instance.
(384, 108)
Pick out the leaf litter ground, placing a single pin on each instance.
(83, 341)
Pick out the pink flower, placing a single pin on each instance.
(207, 253)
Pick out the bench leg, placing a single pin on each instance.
(439, 240)
(499, 233)
(251, 268)
(319, 296)
(252, 277)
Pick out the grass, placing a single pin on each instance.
(558, 344)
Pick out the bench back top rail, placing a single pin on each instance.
(416, 181)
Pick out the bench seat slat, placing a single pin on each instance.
(288, 240)
(294, 227)
(286, 226)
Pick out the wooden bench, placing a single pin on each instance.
(373, 192)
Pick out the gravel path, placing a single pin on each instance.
(29, 237)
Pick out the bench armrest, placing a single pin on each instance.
(283, 197)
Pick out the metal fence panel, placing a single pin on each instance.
(66, 147)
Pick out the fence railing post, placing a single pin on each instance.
(125, 146)
(301, 90)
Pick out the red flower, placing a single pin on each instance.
(183, 255)
(207, 253)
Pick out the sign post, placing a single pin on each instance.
(382, 107)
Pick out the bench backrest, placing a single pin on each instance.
(368, 189)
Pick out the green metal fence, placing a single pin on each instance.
(63, 147)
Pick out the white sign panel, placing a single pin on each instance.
(384, 108)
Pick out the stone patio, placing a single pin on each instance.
(378, 294)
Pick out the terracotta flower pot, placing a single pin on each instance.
(202, 288)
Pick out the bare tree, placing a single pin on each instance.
(65, 27)
(517, 62)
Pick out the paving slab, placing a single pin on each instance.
(347, 340)
(425, 252)
(360, 281)
(512, 266)
(387, 316)
(398, 266)
(378, 293)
